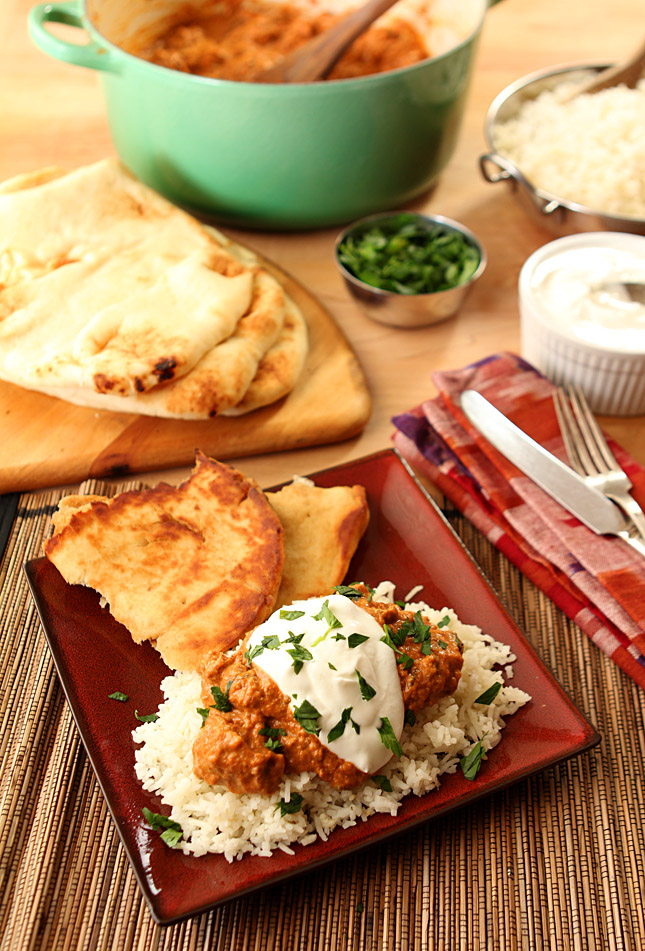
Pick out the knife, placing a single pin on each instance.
(589, 505)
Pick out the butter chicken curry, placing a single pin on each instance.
(238, 40)
(250, 736)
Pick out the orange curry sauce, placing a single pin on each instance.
(238, 39)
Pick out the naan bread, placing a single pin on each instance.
(222, 376)
(191, 567)
(113, 298)
(280, 368)
(322, 528)
(107, 286)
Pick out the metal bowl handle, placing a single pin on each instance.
(495, 169)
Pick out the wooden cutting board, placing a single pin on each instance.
(46, 441)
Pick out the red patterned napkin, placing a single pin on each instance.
(598, 581)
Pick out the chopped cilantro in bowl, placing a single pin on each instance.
(409, 269)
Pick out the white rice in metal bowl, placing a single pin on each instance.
(216, 820)
(589, 149)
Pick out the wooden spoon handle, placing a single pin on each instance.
(312, 60)
(627, 73)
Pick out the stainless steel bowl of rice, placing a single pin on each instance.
(576, 165)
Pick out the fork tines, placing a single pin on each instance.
(583, 439)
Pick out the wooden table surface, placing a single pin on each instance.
(53, 113)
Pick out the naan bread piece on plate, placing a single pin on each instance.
(191, 567)
(322, 528)
(279, 369)
(107, 286)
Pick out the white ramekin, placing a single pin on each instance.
(613, 380)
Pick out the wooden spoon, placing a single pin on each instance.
(627, 73)
(312, 60)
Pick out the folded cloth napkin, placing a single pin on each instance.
(598, 581)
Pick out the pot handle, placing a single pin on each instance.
(495, 169)
(89, 54)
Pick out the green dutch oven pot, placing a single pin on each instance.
(267, 156)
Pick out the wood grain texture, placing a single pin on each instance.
(54, 114)
(55, 443)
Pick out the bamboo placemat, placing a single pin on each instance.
(554, 862)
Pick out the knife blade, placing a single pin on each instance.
(589, 505)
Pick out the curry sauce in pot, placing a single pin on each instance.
(238, 40)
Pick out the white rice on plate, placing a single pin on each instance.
(216, 820)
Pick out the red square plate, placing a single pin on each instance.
(408, 541)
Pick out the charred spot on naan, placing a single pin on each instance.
(223, 375)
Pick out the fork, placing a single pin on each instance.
(590, 455)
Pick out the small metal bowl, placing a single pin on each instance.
(558, 216)
(409, 310)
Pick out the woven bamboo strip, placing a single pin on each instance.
(555, 862)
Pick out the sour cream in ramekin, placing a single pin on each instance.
(576, 332)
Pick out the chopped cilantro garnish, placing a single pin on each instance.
(459, 643)
(146, 717)
(382, 782)
(387, 638)
(356, 726)
(272, 731)
(307, 716)
(355, 639)
(426, 648)
(444, 622)
(421, 629)
(442, 645)
(117, 695)
(172, 830)
(299, 655)
(269, 642)
(401, 604)
(222, 703)
(367, 691)
(339, 729)
(405, 255)
(203, 712)
(291, 615)
(347, 591)
(399, 636)
(410, 718)
(294, 638)
(273, 735)
(388, 737)
(336, 637)
(289, 808)
(472, 761)
(325, 614)
(331, 666)
(489, 695)
(251, 653)
(405, 660)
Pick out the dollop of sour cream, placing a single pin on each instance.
(327, 653)
(567, 286)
